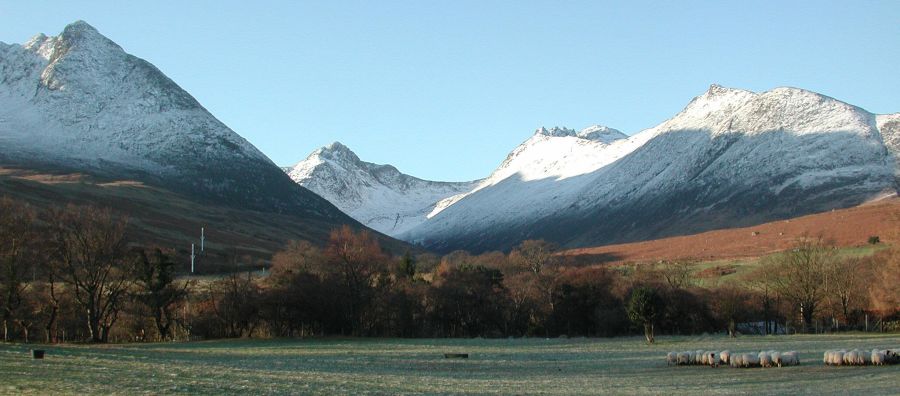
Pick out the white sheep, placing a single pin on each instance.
(736, 360)
(724, 356)
(860, 357)
(838, 357)
(764, 359)
(776, 358)
(698, 357)
(878, 357)
(791, 358)
(671, 358)
(750, 360)
(684, 358)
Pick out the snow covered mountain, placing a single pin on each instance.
(378, 196)
(730, 158)
(889, 126)
(79, 102)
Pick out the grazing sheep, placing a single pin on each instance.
(837, 358)
(698, 357)
(776, 358)
(750, 360)
(855, 357)
(791, 358)
(724, 356)
(848, 358)
(683, 358)
(878, 357)
(712, 359)
(764, 359)
(671, 358)
(891, 356)
(736, 360)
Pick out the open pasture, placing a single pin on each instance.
(405, 366)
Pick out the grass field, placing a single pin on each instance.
(393, 366)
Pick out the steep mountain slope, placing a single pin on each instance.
(731, 158)
(550, 154)
(78, 102)
(378, 196)
(889, 127)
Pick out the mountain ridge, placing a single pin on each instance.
(379, 196)
(730, 158)
(79, 102)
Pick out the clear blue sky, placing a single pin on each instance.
(445, 89)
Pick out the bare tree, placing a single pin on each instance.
(846, 284)
(235, 302)
(730, 307)
(765, 280)
(158, 290)
(357, 259)
(883, 293)
(676, 274)
(17, 253)
(535, 255)
(803, 277)
(92, 260)
(296, 258)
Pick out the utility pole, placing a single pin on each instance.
(202, 239)
(192, 258)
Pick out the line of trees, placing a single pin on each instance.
(71, 274)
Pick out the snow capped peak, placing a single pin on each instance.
(78, 100)
(598, 133)
(80, 29)
(379, 196)
(336, 151)
(35, 41)
(78, 34)
(718, 90)
(601, 133)
(555, 132)
(716, 99)
(729, 157)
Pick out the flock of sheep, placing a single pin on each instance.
(717, 358)
(775, 358)
(878, 357)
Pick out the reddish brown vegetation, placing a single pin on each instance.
(843, 228)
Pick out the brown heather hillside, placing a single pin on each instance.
(845, 228)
